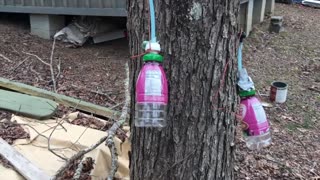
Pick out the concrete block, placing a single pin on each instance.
(45, 26)
(246, 13)
(269, 7)
(276, 24)
(258, 11)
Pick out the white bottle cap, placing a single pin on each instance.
(152, 46)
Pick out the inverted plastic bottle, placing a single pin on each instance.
(257, 135)
(151, 93)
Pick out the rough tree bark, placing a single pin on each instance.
(198, 40)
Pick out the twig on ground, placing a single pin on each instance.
(81, 114)
(92, 91)
(59, 69)
(14, 49)
(304, 147)
(51, 66)
(277, 162)
(5, 58)
(107, 95)
(73, 144)
(314, 89)
(59, 123)
(16, 67)
(30, 54)
(112, 107)
(37, 73)
(21, 124)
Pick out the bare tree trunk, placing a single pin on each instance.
(199, 41)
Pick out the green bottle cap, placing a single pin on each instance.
(247, 93)
(153, 57)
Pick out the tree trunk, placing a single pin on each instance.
(199, 43)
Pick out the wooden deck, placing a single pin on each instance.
(115, 8)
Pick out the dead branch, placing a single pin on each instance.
(77, 173)
(21, 124)
(99, 92)
(5, 58)
(16, 67)
(305, 148)
(91, 116)
(277, 162)
(14, 49)
(73, 144)
(112, 107)
(108, 139)
(314, 89)
(59, 68)
(37, 73)
(59, 123)
(114, 159)
(116, 126)
(51, 66)
(77, 156)
(30, 54)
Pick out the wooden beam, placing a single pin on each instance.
(61, 99)
(21, 164)
(26, 105)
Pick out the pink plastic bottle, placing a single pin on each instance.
(151, 93)
(257, 134)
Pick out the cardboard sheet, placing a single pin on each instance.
(66, 140)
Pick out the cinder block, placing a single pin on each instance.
(45, 26)
(258, 11)
(276, 24)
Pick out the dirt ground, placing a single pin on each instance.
(93, 73)
(93, 67)
(293, 56)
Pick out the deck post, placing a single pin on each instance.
(258, 11)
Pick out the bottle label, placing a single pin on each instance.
(243, 110)
(153, 85)
(259, 112)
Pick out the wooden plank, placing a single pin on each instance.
(21, 164)
(29, 106)
(61, 99)
(81, 11)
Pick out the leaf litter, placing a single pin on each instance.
(293, 57)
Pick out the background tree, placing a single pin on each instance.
(199, 44)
